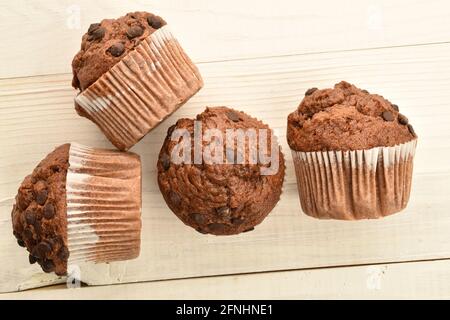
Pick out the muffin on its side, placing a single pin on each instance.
(132, 74)
(80, 204)
(232, 194)
(353, 154)
(39, 214)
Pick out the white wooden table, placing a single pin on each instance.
(260, 57)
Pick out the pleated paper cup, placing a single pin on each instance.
(140, 91)
(103, 190)
(352, 185)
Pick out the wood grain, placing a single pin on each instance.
(413, 280)
(41, 37)
(37, 114)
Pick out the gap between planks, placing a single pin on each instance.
(234, 29)
(200, 63)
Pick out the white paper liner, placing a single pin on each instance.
(140, 91)
(350, 185)
(103, 205)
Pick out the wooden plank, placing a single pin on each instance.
(413, 280)
(37, 114)
(50, 31)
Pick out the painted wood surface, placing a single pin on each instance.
(416, 280)
(259, 59)
(47, 33)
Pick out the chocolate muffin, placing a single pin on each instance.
(39, 214)
(221, 183)
(353, 153)
(132, 74)
(79, 204)
(107, 42)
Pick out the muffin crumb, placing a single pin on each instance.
(220, 198)
(346, 118)
(106, 42)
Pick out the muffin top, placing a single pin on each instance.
(40, 213)
(227, 197)
(107, 42)
(346, 118)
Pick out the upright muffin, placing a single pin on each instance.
(353, 154)
(226, 191)
(132, 74)
(80, 204)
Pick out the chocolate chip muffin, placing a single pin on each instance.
(105, 43)
(353, 153)
(132, 74)
(71, 208)
(221, 185)
(346, 118)
(39, 214)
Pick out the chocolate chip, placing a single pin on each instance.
(117, 49)
(33, 180)
(36, 253)
(49, 211)
(37, 228)
(365, 91)
(233, 116)
(30, 217)
(41, 250)
(155, 22)
(237, 221)
(48, 266)
(388, 116)
(93, 27)
(310, 91)
(20, 242)
(45, 247)
(97, 34)
(198, 218)
(175, 198)
(40, 192)
(395, 107)
(32, 259)
(223, 211)
(27, 234)
(63, 253)
(134, 31)
(217, 227)
(411, 130)
(402, 119)
(41, 196)
(55, 168)
(200, 230)
(251, 229)
(165, 161)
